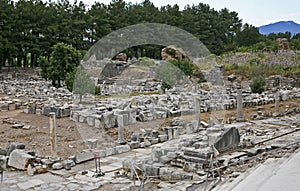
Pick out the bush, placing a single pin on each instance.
(257, 84)
(185, 65)
(145, 61)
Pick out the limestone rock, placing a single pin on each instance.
(121, 57)
(19, 159)
(15, 145)
(57, 166)
(172, 53)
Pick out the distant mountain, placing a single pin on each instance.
(282, 26)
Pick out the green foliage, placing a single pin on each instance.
(248, 36)
(79, 82)
(257, 84)
(145, 61)
(63, 60)
(30, 28)
(295, 44)
(171, 75)
(45, 65)
(184, 65)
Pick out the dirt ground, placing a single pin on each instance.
(71, 136)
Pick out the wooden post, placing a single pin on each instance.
(53, 134)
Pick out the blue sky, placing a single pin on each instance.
(255, 12)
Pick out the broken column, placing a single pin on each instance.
(53, 138)
(239, 105)
(197, 110)
(121, 140)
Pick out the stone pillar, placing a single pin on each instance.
(197, 110)
(53, 138)
(239, 105)
(121, 140)
(92, 143)
(175, 132)
(277, 103)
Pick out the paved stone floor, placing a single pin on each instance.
(73, 179)
(273, 175)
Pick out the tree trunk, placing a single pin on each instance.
(1, 62)
(32, 62)
(9, 65)
(19, 60)
(25, 61)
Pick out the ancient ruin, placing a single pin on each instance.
(145, 140)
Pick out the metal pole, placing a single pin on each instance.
(97, 165)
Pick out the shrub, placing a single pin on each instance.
(257, 84)
(185, 65)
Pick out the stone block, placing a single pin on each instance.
(134, 145)
(165, 173)
(31, 109)
(65, 112)
(109, 120)
(15, 145)
(229, 139)
(154, 140)
(175, 133)
(67, 164)
(57, 166)
(178, 121)
(4, 107)
(111, 151)
(57, 111)
(156, 154)
(12, 106)
(46, 110)
(82, 119)
(90, 120)
(38, 111)
(151, 170)
(75, 116)
(84, 156)
(99, 121)
(162, 138)
(142, 145)
(92, 143)
(132, 117)
(155, 133)
(122, 148)
(17, 105)
(47, 162)
(19, 159)
(176, 113)
(102, 153)
(135, 137)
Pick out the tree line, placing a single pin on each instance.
(31, 28)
